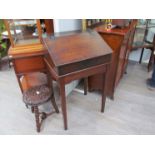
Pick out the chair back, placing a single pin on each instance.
(148, 35)
(148, 38)
(153, 42)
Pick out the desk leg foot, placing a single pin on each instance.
(85, 86)
(112, 97)
(103, 104)
(63, 104)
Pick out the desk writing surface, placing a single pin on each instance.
(77, 50)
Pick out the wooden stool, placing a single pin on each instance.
(37, 96)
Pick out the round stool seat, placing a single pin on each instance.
(37, 95)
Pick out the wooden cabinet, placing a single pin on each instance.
(120, 40)
(24, 32)
(26, 51)
(26, 62)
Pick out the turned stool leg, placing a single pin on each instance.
(36, 111)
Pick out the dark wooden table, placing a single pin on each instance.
(75, 55)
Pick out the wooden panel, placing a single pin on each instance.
(94, 82)
(29, 64)
(114, 41)
(86, 72)
(122, 55)
(13, 52)
(49, 26)
(34, 79)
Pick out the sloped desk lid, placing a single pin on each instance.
(73, 51)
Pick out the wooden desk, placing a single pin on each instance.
(120, 40)
(76, 55)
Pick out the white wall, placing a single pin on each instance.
(62, 25)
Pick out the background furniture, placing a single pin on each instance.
(26, 51)
(49, 26)
(143, 39)
(91, 23)
(76, 55)
(145, 44)
(24, 32)
(121, 22)
(152, 39)
(120, 40)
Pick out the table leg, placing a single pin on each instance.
(63, 103)
(85, 86)
(103, 93)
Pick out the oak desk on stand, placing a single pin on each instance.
(76, 55)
